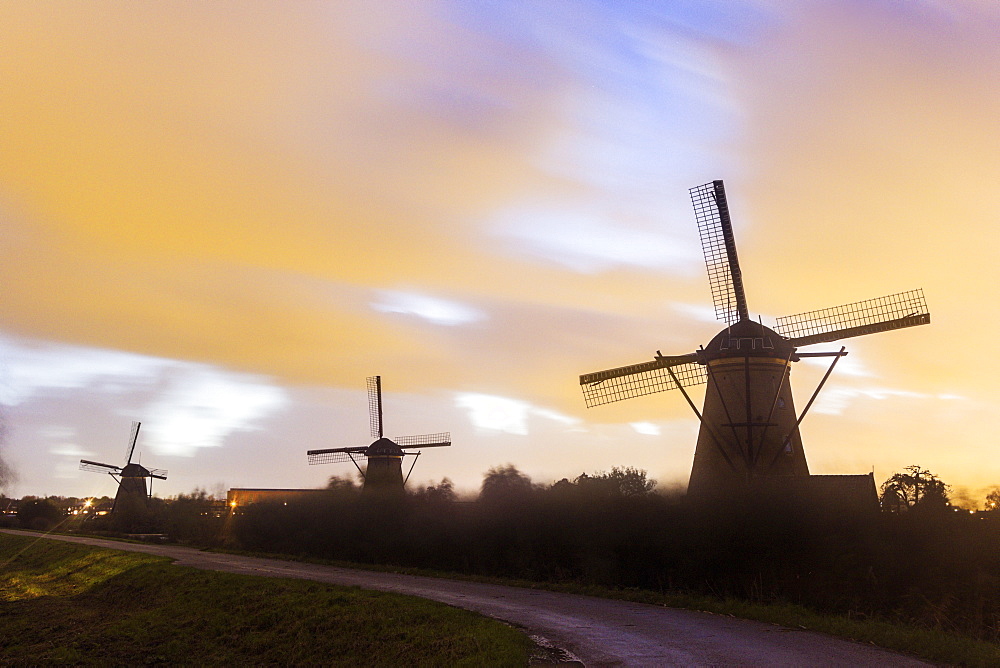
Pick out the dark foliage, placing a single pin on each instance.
(192, 518)
(916, 489)
(941, 569)
(39, 514)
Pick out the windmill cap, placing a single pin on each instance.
(384, 447)
(751, 338)
(135, 471)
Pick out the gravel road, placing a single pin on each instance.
(593, 631)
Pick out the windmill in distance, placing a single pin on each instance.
(131, 478)
(749, 429)
(384, 472)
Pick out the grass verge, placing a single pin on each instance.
(67, 603)
(926, 643)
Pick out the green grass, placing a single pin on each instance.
(926, 643)
(67, 603)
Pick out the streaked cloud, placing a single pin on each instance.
(505, 414)
(183, 405)
(589, 244)
(432, 309)
(646, 428)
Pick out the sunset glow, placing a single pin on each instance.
(218, 219)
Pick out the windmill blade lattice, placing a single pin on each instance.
(133, 436)
(98, 467)
(158, 473)
(440, 440)
(904, 309)
(335, 455)
(719, 246)
(605, 387)
(375, 406)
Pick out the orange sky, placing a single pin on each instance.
(218, 219)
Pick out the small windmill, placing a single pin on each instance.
(748, 427)
(384, 471)
(131, 478)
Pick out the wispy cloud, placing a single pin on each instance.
(183, 405)
(505, 414)
(435, 310)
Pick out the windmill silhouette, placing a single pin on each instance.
(384, 472)
(749, 429)
(131, 478)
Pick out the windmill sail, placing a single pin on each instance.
(98, 467)
(424, 440)
(904, 309)
(133, 436)
(719, 247)
(375, 406)
(636, 380)
(335, 455)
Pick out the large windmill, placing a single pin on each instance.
(749, 428)
(131, 478)
(384, 472)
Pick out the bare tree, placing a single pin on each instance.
(916, 487)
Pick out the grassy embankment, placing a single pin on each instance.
(67, 603)
(926, 643)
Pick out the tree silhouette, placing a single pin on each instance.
(993, 500)
(39, 514)
(626, 482)
(504, 483)
(916, 488)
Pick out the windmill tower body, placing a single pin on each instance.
(749, 427)
(132, 491)
(384, 474)
(749, 422)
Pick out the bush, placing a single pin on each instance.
(39, 514)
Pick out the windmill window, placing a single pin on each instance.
(752, 343)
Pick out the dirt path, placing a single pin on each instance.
(593, 630)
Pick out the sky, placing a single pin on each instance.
(219, 218)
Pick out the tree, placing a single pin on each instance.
(993, 501)
(442, 492)
(626, 482)
(39, 514)
(505, 483)
(916, 488)
(6, 472)
(343, 485)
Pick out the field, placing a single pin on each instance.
(65, 603)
